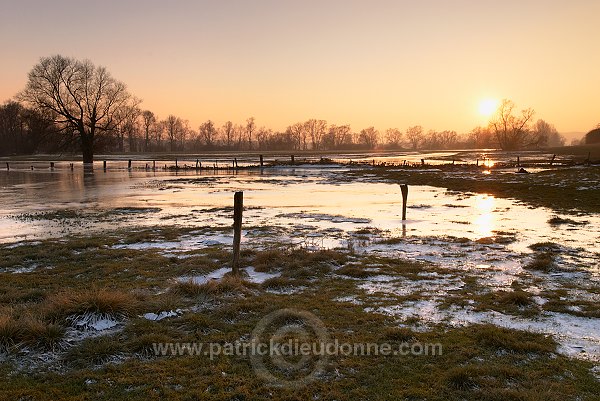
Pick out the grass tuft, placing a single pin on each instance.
(542, 261)
(461, 378)
(517, 298)
(100, 301)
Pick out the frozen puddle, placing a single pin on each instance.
(253, 276)
(162, 315)
(93, 321)
(185, 243)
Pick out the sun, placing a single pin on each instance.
(487, 107)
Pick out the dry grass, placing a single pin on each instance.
(353, 270)
(517, 298)
(542, 261)
(101, 301)
(30, 331)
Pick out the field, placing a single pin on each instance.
(488, 291)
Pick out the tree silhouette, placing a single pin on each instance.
(83, 99)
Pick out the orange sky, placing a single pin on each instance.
(381, 63)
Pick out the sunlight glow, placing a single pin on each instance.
(485, 222)
(487, 107)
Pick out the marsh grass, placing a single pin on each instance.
(479, 362)
(28, 330)
(101, 301)
(542, 262)
(354, 270)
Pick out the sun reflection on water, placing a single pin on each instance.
(485, 222)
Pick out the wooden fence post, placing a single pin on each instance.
(104, 165)
(238, 208)
(261, 160)
(129, 164)
(404, 189)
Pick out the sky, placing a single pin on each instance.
(365, 63)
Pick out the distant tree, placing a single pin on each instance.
(548, 135)
(315, 129)
(129, 126)
(83, 99)
(148, 124)
(25, 131)
(393, 137)
(336, 136)
(263, 137)
(480, 138)
(369, 137)
(593, 136)
(228, 134)
(250, 127)
(512, 130)
(207, 134)
(298, 133)
(174, 129)
(414, 135)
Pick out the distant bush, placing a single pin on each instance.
(593, 136)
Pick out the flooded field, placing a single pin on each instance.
(461, 259)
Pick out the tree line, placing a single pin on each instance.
(72, 105)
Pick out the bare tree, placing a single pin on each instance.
(228, 133)
(263, 137)
(298, 134)
(315, 130)
(148, 124)
(129, 126)
(481, 137)
(84, 99)
(393, 137)
(414, 135)
(369, 137)
(250, 127)
(512, 131)
(547, 134)
(173, 127)
(207, 134)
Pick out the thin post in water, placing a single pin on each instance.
(7, 166)
(129, 164)
(261, 160)
(238, 208)
(104, 165)
(292, 159)
(404, 189)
